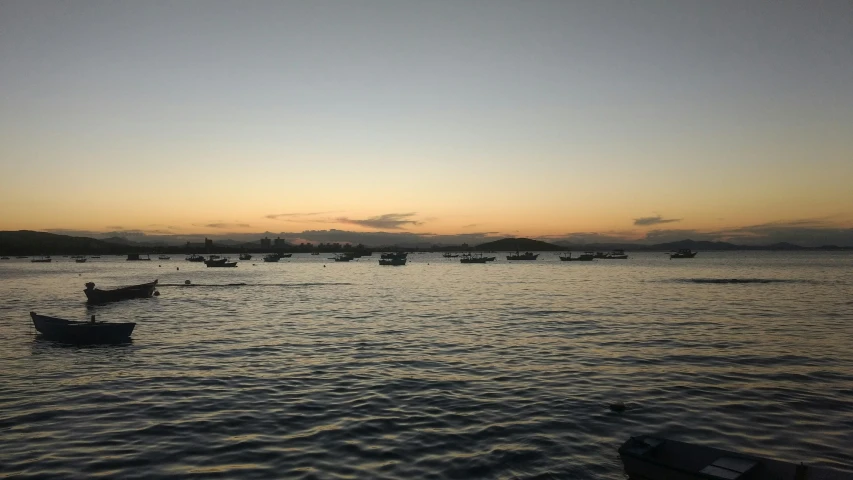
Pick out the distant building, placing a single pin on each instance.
(279, 242)
(265, 242)
(208, 244)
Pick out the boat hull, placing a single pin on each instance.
(67, 331)
(145, 290)
(396, 262)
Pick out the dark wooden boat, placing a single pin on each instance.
(96, 295)
(682, 253)
(284, 255)
(135, 257)
(652, 458)
(523, 256)
(245, 256)
(397, 261)
(343, 257)
(271, 258)
(46, 259)
(390, 255)
(220, 262)
(585, 257)
(69, 331)
(475, 258)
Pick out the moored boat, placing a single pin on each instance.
(391, 255)
(220, 262)
(343, 257)
(4, 258)
(271, 258)
(475, 258)
(245, 256)
(80, 260)
(522, 256)
(44, 259)
(135, 257)
(398, 261)
(584, 257)
(195, 258)
(617, 254)
(164, 257)
(653, 458)
(682, 253)
(69, 331)
(96, 295)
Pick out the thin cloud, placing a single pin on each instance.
(280, 216)
(389, 221)
(656, 220)
(472, 225)
(227, 225)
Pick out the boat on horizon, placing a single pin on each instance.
(682, 253)
(4, 258)
(245, 256)
(584, 257)
(475, 258)
(522, 256)
(616, 254)
(343, 257)
(135, 257)
(42, 259)
(97, 295)
(655, 458)
(271, 258)
(392, 255)
(69, 331)
(195, 258)
(80, 260)
(164, 257)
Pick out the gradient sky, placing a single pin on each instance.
(526, 117)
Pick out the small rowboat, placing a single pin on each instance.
(653, 458)
(96, 295)
(81, 332)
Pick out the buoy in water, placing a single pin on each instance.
(156, 293)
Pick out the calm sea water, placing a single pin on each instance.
(316, 369)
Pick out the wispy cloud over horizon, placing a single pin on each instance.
(656, 220)
(296, 216)
(390, 221)
(226, 225)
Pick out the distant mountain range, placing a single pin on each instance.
(26, 242)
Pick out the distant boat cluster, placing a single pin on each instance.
(391, 258)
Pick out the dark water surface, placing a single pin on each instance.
(432, 370)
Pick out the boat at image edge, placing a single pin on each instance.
(653, 458)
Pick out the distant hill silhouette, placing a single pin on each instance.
(523, 244)
(28, 242)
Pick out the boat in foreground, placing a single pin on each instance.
(69, 331)
(683, 253)
(653, 458)
(96, 295)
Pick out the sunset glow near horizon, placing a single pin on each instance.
(503, 118)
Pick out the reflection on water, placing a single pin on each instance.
(432, 370)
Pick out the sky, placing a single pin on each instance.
(548, 119)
